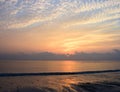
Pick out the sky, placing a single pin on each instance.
(59, 26)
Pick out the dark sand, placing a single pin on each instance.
(80, 87)
(103, 82)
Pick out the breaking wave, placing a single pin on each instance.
(56, 73)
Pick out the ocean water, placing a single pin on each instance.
(37, 66)
(89, 82)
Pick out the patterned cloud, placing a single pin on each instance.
(24, 13)
(80, 23)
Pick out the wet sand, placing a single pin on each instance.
(103, 82)
(80, 87)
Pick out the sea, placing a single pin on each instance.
(39, 66)
(59, 76)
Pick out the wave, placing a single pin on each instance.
(56, 73)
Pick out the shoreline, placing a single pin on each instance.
(56, 73)
(96, 82)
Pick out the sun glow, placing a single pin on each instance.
(60, 27)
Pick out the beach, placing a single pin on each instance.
(98, 82)
(59, 76)
(59, 45)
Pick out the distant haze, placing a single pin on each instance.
(115, 55)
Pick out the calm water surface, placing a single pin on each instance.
(56, 66)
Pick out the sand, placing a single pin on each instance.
(104, 82)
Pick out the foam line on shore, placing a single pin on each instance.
(55, 73)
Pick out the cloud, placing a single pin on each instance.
(60, 25)
(24, 13)
(114, 55)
